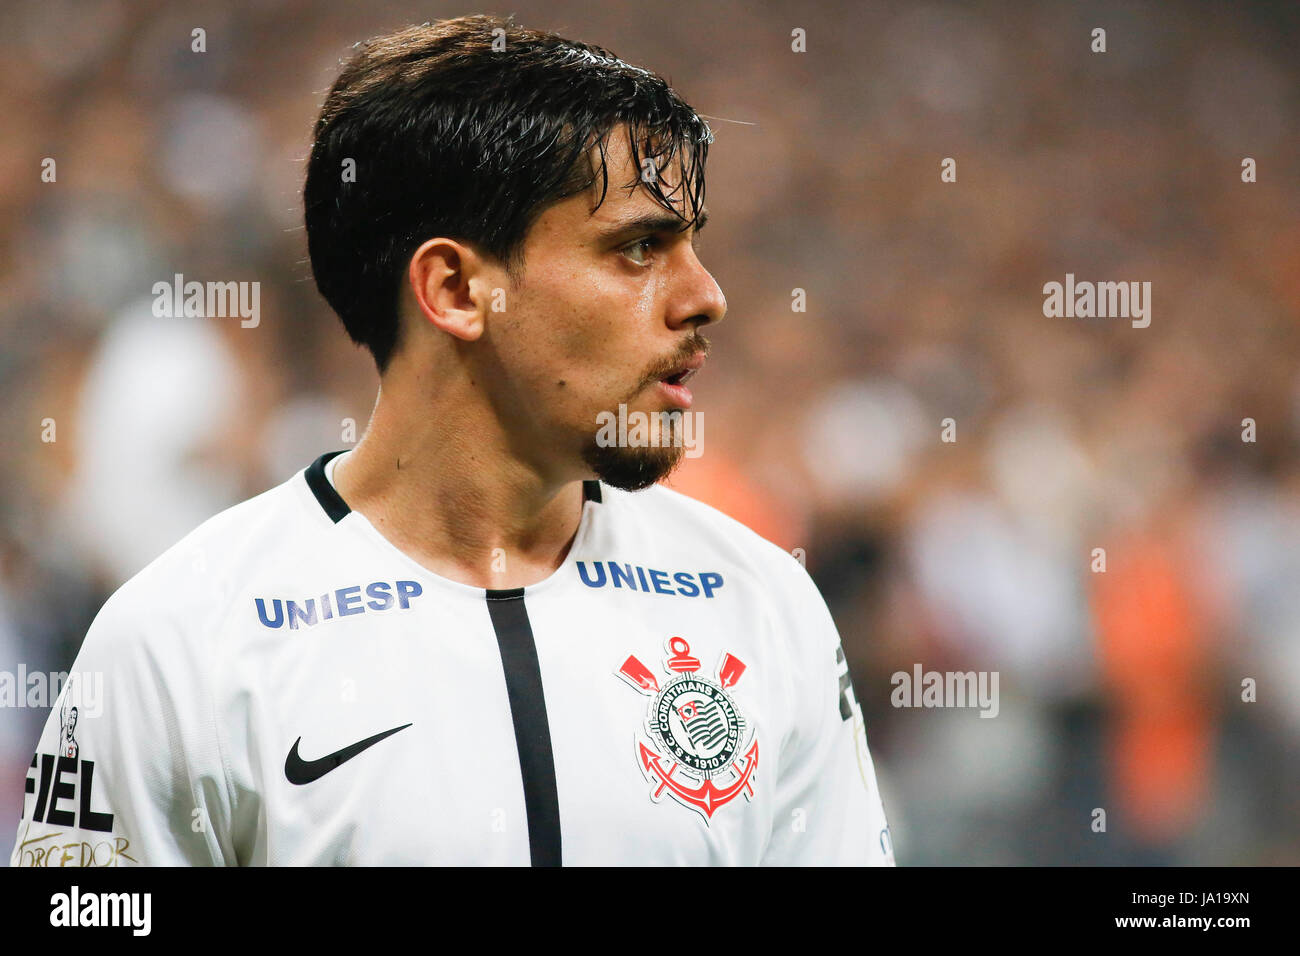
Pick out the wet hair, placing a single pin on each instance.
(469, 129)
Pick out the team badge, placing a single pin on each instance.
(696, 747)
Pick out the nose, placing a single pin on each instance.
(698, 300)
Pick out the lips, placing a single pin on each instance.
(684, 371)
(672, 385)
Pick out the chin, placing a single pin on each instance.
(632, 469)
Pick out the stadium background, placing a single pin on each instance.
(1119, 690)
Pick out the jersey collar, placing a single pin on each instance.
(337, 509)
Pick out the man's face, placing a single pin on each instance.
(607, 312)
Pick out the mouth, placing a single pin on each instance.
(684, 371)
(673, 384)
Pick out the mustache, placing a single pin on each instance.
(687, 350)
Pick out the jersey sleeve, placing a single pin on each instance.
(829, 810)
(128, 770)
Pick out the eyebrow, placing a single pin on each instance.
(651, 222)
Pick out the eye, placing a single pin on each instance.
(639, 251)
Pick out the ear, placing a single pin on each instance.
(452, 286)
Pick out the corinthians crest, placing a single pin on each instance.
(696, 748)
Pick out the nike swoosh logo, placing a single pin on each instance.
(301, 771)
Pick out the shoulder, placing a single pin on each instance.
(189, 586)
(689, 518)
(676, 523)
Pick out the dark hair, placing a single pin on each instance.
(451, 137)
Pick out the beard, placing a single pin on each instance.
(635, 465)
(634, 468)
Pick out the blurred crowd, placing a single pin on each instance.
(1121, 689)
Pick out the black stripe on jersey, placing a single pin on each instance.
(532, 729)
(591, 491)
(320, 486)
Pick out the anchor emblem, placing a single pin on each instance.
(695, 748)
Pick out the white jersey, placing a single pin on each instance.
(286, 687)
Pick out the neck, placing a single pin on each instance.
(435, 476)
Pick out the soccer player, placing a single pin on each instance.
(484, 635)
